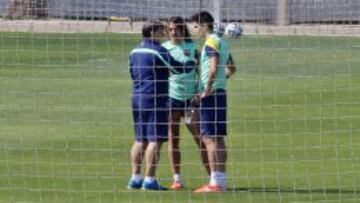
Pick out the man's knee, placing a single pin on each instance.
(154, 146)
(140, 145)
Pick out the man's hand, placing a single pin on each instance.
(196, 99)
(206, 93)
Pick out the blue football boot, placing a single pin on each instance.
(152, 186)
(132, 184)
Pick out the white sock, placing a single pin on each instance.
(213, 178)
(177, 178)
(136, 177)
(221, 179)
(149, 179)
(218, 178)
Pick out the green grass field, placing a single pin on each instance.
(66, 126)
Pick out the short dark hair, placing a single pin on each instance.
(203, 17)
(151, 26)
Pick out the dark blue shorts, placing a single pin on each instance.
(151, 124)
(213, 114)
(178, 105)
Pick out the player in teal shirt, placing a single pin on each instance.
(214, 61)
(182, 90)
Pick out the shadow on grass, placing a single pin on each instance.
(292, 190)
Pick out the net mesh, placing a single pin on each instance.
(66, 125)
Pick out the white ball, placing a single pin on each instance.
(233, 30)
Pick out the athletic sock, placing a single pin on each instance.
(177, 178)
(213, 178)
(221, 179)
(149, 179)
(136, 177)
(218, 178)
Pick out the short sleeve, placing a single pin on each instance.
(212, 43)
(212, 47)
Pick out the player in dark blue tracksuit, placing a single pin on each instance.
(150, 66)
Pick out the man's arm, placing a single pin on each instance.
(214, 61)
(211, 49)
(230, 67)
(175, 66)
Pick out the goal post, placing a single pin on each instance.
(282, 18)
(217, 4)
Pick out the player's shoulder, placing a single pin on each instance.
(162, 50)
(137, 48)
(143, 48)
(212, 39)
(167, 45)
(213, 36)
(155, 48)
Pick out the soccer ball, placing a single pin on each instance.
(233, 30)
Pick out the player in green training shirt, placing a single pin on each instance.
(214, 60)
(182, 89)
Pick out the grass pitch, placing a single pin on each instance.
(66, 126)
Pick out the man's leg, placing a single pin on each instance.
(213, 130)
(137, 155)
(137, 151)
(174, 140)
(157, 133)
(174, 150)
(194, 128)
(217, 156)
(152, 156)
(217, 153)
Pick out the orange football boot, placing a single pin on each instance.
(209, 188)
(176, 185)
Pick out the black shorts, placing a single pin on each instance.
(213, 114)
(176, 105)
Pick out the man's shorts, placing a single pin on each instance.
(151, 124)
(213, 114)
(176, 105)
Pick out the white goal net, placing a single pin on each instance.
(66, 125)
